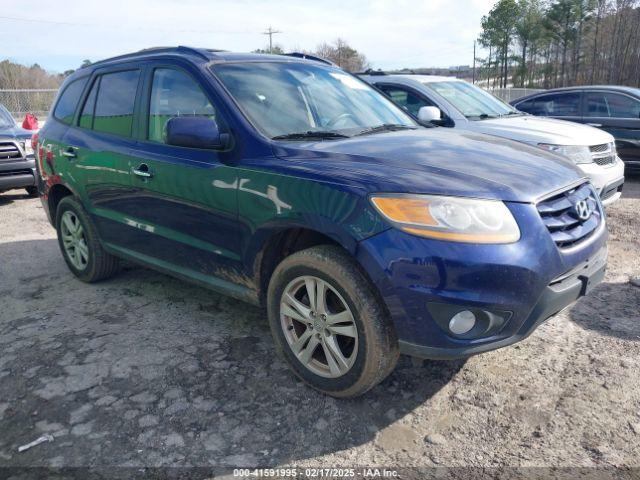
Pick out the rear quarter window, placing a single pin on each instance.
(68, 101)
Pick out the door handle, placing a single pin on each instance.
(142, 171)
(70, 152)
(597, 125)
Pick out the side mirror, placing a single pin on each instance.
(195, 132)
(429, 114)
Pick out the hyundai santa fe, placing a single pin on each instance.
(290, 184)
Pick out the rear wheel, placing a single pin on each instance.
(80, 244)
(328, 323)
(32, 191)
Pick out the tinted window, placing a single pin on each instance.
(66, 106)
(115, 102)
(557, 105)
(529, 106)
(407, 100)
(612, 105)
(174, 94)
(86, 116)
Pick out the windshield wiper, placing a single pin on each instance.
(309, 135)
(385, 127)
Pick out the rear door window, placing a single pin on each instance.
(175, 94)
(66, 106)
(115, 102)
(612, 105)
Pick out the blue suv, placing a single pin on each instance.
(286, 182)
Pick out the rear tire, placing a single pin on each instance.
(32, 191)
(80, 243)
(342, 345)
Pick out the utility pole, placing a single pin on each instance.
(271, 32)
(474, 62)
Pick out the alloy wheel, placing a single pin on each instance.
(319, 326)
(74, 240)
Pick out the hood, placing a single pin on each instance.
(534, 130)
(14, 131)
(433, 160)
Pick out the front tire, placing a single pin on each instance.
(80, 244)
(329, 324)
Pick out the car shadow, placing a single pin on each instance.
(590, 314)
(10, 196)
(147, 370)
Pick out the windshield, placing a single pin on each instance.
(473, 102)
(6, 120)
(298, 100)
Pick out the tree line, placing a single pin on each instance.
(16, 76)
(557, 43)
(338, 51)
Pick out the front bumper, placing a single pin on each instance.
(604, 178)
(521, 283)
(17, 173)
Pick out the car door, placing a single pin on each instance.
(411, 100)
(185, 208)
(98, 150)
(618, 114)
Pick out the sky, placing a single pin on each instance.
(60, 34)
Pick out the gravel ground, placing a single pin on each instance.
(145, 370)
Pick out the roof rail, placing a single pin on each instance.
(200, 52)
(370, 71)
(307, 56)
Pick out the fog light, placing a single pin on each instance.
(462, 322)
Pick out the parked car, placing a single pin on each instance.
(451, 102)
(615, 110)
(17, 163)
(290, 184)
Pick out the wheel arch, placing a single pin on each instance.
(271, 246)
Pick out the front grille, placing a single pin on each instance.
(603, 154)
(604, 147)
(560, 215)
(9, 150)
(609, 160)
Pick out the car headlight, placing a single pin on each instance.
(26, 147)
(577, 153)
(449, 218)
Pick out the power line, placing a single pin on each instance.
(271, 32)
(118, 27)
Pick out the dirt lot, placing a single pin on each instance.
(144, 370)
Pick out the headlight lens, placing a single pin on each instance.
(449, 218)
(577, 153)
(26, 147)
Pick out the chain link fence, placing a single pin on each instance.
(511, 94)
(19, 102)
(38, 102)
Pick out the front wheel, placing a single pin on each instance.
(80, 245)
(329, 324)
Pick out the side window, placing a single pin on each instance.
(559, 105)
(174, 94)
(613, 105)
(530, 106)
(66, 106)
(406, 99)
(115, 102)
(86, 116)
